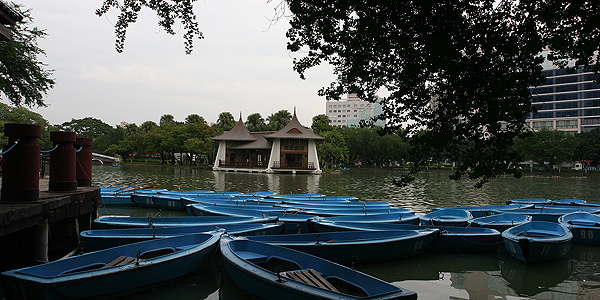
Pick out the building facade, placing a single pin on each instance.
(566, 101)
(350, 111)
(291, 149)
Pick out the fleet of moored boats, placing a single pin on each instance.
(296, 246)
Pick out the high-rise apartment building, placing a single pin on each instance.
(566, 101)
(350, 111)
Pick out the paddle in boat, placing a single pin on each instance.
(537, 241)
(529, 201)
(112, 272)
(273, 272)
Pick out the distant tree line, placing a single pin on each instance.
(189, 141)
(370, 147)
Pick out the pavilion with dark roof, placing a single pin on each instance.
(291, 149)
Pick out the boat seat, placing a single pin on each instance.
(584, 223)
(541, 233)
(311, 277)
(119, 261)
(253, 257)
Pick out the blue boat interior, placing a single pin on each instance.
(292, 270)
(582, 222)
(538, 233)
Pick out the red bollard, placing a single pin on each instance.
(62, 162)
(84, 161)
(21, 165)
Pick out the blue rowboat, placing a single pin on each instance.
(548, 213)
(584, 226)
(187, 193)
(168, 202)
(484, 210)
(322, 224)
(576, 208)
(351, 247)
(218, 200)
(500, 222)
(272, 272)
(234, 202)
(122, 199)
(447, 217)
(320, 204)
(256, 194)
(297, 196)
(112, 272)
(537, 241)
(529, 201)
(140, 222)
(293, 222)
(450, 239)
(569, 202)
(306, 201)
(94, 240)
(358, 211)
(234, 210)
(575, 202)
(349, 205)
(143, 197)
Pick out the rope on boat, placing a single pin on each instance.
(11, 147)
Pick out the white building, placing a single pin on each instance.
(566, 101)
(350, 111)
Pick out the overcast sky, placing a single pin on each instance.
(241, 65)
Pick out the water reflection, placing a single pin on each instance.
(533, 279)
(431, 275)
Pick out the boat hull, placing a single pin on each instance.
(585, 227)
(537, 241)
(257, 268)
(354, 247)
(61, 280)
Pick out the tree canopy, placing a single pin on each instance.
(279, 119)
(87, 127)
(24, 79)
(225, 121)
(255, 122)
(168, 12)
(460, 69)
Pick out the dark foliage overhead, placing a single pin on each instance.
(168, 11)
(24, 79)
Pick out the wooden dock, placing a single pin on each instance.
(45, 230)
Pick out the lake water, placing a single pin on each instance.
(432, 275)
